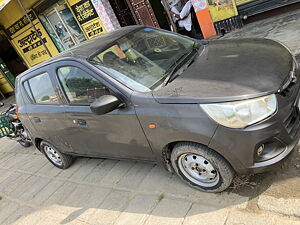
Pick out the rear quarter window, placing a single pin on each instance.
(28, 90)
(40, 89)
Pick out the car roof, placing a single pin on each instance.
(88, 47)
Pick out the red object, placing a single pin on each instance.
(206, 23)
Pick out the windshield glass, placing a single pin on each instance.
(142, 59)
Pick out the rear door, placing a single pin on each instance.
(45, 110)
(117, 134)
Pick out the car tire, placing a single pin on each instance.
(24, 143)
(201, 167)
(57, 158)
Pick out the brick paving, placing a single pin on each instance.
(97, 191)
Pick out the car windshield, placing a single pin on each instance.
(142, 59)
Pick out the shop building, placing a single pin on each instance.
(32, 31)
(228, 15)
(248, 8)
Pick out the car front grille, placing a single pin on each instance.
(292, 122)
(289, 90)
(289, 87)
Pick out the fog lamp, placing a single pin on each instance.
(260, 150)
(269, 150)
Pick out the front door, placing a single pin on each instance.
(116, 134)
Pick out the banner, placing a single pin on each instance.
(222, 9)
(241, 2)
(87, 17)
(20, 24)
(27, 42)
(3, 3)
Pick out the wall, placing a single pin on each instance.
(106, 14)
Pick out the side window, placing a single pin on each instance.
(79, 86)
(40, 89)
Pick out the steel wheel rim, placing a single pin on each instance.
(53, 155)
(198, 170)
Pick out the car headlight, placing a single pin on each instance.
(240, 114)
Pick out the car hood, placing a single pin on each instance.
(229, 70)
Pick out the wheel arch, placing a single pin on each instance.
(168, 148)
(37, 143)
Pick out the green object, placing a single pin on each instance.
(161, 197)
(5, 129)
(7, 73)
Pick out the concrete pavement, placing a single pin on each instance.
(97, 191)
(284, 28)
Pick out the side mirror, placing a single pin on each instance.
(105, 104)
(1, 104)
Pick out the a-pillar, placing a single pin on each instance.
(204, 18)
(106, 14)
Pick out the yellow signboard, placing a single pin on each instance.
(87, 17)
(31, 47)
(93, 28)
(222, 9)
(241, 2)
(27, 42)
(3, 3)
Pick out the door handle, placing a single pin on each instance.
(80, 122)
(36, 119)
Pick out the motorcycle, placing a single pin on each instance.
(19, 131)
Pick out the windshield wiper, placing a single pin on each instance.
(171, 74)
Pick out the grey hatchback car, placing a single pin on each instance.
(204, 109)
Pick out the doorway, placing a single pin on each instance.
(62, 26)
(160, 14)
(11, 65)
(132, 12)
(11, 59)
(123, 12)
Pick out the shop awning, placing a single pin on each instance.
(3, 3)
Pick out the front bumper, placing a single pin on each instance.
(271, 163)
(239, 146)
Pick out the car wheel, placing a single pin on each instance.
(201, 167)
(56, 157)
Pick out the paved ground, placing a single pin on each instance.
(284, 27)
(97, 191)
